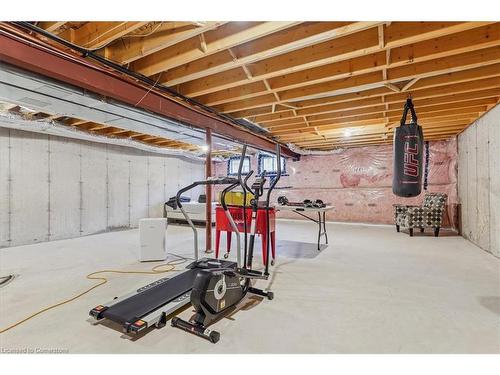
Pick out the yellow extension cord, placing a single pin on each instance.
(103, 280)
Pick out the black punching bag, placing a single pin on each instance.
(408, 152)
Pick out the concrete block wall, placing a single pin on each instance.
(53, 187)
(479, 181)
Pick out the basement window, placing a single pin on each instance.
(233, 164)
(268, 163)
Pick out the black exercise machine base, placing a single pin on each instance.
(206, 333)
(196, 329)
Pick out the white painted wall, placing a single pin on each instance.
(53, 187)
(479, 181)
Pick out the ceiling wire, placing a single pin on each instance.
(99, 36)
(143, 35)
(123, 37)
(149, 90)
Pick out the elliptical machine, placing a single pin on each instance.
(217, 292)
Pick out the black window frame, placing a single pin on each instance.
(232, 158)
(260, 163)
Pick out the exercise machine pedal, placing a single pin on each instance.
(262, 293)
(250, 274)
(196, 329)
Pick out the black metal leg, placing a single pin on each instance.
(320, 221)
(324, 227)
(319, 230)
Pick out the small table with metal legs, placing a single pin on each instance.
(302, 211)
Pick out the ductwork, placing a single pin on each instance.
(302, 151)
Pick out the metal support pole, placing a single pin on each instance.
(208, 192)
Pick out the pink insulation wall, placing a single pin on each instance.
(358, 182)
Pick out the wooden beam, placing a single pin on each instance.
(76, 122)
(98, 127)
(392, 86)
(404, 33)
(375, 137)
(340, 70)
(344, 48)
(150, 138)
(472, 80)
(51, 26)
(381, 38)
(119, 131)
(453, 126)
(467, 41)
(290, 39)
(423, 112)
(469, 60)
(393, 116)
(203, 43)
(163, 141)
(328, 87)
(355, 83)
(430, 122)
(397, 102)
(313, 138)
(332, 146)
(410, 84)
(374, 142)
(95, 35)
(131, 49)
(224, 37)
(425, 69)
(448, 45)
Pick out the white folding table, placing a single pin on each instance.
(302, 211)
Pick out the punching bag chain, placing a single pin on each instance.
(409, 106)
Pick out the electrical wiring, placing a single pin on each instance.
(112, 41)
(147, 92)
(143, 35)
(101, 281)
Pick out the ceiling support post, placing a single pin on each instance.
(208, 193)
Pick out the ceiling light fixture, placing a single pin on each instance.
(347, 133)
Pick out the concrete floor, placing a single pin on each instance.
(372, 290)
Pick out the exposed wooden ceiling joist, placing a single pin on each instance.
(453, 92)
(290, 39)
(130, 49)
(222, 38)
(317, 62)
(102, 129)
(307, 81)
(95, 35)
(51, 26)
(374, 79)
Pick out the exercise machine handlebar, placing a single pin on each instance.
(268, 198)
